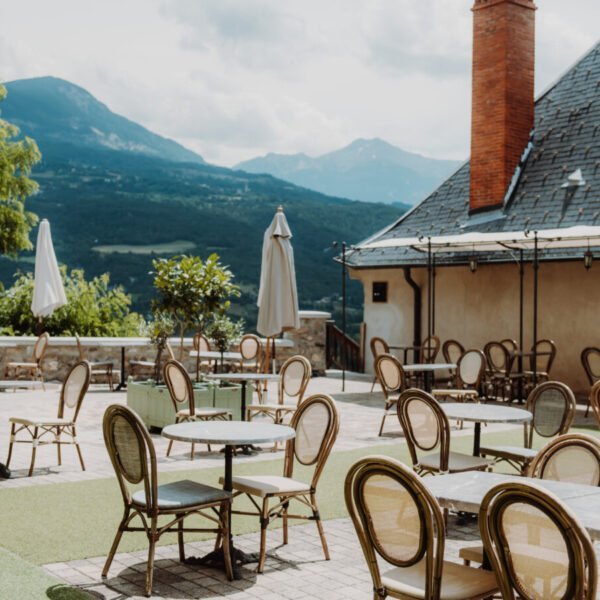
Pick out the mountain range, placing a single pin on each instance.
(117, 196)
(368, 170)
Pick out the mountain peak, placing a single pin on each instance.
(57, 111)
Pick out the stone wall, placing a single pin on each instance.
(62, 352)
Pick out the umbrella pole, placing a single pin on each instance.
(267, 359)
(536, 267)
(521, 277)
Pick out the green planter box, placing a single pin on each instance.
(154, 405)
(229, 396)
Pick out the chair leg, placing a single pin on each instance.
(150, 565)
(58, 452)
(285, 523)
(11, 444)
(192, 452)
(78, 450)
(317, 518)
(115, 544)
(373, 384)
(264, 522)
(33, 451)
(225, 537)
(382, 423)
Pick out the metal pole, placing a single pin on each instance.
(521, 281)
(344, 315)
(433, 275)
(429, 267)
(535, 305)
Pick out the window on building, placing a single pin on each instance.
(380, 291)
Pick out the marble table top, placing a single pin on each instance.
(485, 413)
(216, 354)
(230, 433)
(19, 383)
(465, 492)
(429, 367)
(244, 376)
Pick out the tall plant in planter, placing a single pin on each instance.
(160, 329)
(191, 290)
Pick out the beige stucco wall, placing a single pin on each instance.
(475, 308)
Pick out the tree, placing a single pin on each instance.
(93, 308)
(17, 158)
(192, 290)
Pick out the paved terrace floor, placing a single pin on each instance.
(295, 571)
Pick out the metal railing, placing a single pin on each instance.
(342, 352)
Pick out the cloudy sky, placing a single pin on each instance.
(233, 79)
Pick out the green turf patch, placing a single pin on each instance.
(67, 521)
(21, 579)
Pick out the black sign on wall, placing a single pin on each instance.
(380, 291)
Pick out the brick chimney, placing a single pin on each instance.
(503, 96)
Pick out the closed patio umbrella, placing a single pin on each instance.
(277, 296)
(48, 291)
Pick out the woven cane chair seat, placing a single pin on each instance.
(48, 422)
(459, 582)
(457, 462)
(203, 413)
(455, 393)
(26, 365)
(513, 452)
(271, 407)
(262, 485)
(180, 494)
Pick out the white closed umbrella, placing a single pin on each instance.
(48, 290)
(277, 296)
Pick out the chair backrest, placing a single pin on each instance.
(536, 546)
(497, 357)
(572, 457)
(542, 363)
(378, 346)
(452, 351)
(73, 390)
(510, 344)
(79, 347)
(295, 374)
(590, 359)
(169, 350)
(552, 404)
(40, 346)
(396, 517)
(200, 343)
(471, 367)
(595, 400)
(131, 453)
(317, 425)
(179, 385)
(250, 347)
(425, 426)
(390, 374)
(430, 348)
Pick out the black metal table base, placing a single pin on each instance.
(216, 559)
(4, 471)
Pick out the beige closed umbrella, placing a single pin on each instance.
(48, 290)
(277, 296)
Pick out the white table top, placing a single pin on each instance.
(465, 491)
(216, 354)
(230, 433)
(244, 376)
(19, 383)
(485, 413)
(429, 367)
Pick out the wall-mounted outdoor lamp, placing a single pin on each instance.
(473, 264)
(588, 259)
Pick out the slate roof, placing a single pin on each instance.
(566, 137)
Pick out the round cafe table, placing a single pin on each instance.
(484, 413)
(231, 434)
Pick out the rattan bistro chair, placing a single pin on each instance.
(552, 405)
(572, 458)
(181, 391)
(536, 546)
(541, 363)
(317, 424)
(42, 431)
(594, 401)
(103, 369)
(392, 380)
(452, 350)
(396, 517)
(427, 432)
(469, 373)
(201, 344)
(133, 457)
(378, 346)
(295, 374)
(590, 360)
(34, 368)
